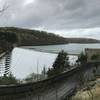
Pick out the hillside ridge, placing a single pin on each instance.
(29, 37)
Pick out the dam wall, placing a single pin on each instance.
(54, 88)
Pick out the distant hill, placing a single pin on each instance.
(27, 37)
(34, 37)
(82, 40)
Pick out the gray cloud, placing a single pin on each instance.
(52, 14)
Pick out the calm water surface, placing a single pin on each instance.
(26, 59)
(69, 48)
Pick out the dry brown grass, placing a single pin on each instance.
(92, 94)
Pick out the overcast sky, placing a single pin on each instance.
(71, 18)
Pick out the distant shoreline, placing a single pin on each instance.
(45, 51)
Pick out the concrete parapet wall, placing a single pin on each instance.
(54, 88)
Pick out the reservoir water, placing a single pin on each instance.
(26, 59)
(69, 48)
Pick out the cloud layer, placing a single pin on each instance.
(77, 16)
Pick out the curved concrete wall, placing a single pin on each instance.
(55, 88)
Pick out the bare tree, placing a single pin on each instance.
(3, 8)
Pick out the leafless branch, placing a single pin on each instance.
(5, 7)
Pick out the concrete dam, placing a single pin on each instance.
(55, 88)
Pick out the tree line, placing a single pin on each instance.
(28, 37)
(7, 39)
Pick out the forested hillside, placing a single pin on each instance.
(34, 37)
(82, 40)
(26, 37)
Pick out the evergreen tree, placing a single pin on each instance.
(82, 59)
(95, 58)
(61, 64)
